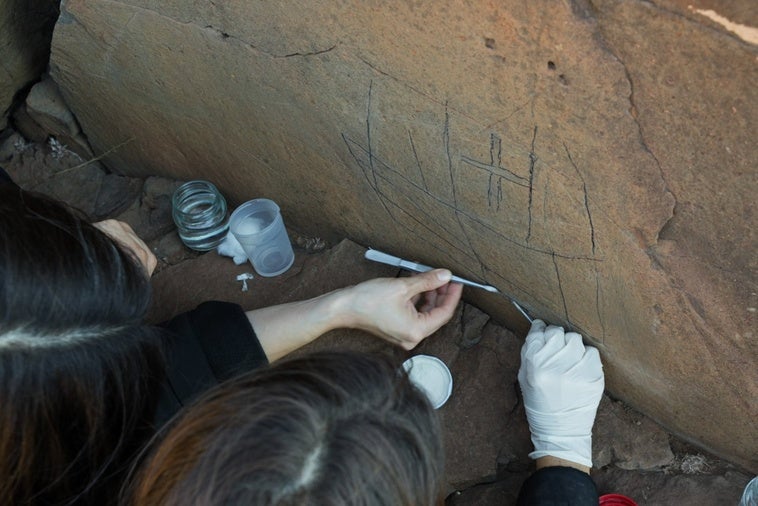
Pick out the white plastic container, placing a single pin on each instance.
(432, 376)
(259, 228)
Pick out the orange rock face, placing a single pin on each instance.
(594, 162)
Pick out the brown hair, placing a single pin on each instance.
(336, 428)
(77, 367)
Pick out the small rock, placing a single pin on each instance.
(25, 124)
(150, 214)
(475, 320)
(11, 145)
(78, 187)
(45, 116)
(46, 106)
(170, 250)
(311, 244)
(628, 440)
(116, 194)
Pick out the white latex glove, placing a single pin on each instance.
(562, 383)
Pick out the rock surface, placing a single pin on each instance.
(593, 159)
(25, 33)
(622, 437)
(54, 170)
(45, 114)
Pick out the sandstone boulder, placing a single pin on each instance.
(594, 160)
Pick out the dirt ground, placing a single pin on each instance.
(486, 434)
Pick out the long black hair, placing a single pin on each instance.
(78, 369)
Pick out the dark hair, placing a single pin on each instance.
(77, 367)
(333, 428)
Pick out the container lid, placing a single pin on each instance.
(432, 376)
(616, 500)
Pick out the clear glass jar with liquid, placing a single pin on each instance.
(750, 495)
(200, 215)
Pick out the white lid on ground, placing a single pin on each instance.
(432, 376)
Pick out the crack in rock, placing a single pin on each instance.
(634, 113)
(225, 35)
(218, 31)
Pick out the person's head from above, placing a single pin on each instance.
(335, 428)
(73, 350)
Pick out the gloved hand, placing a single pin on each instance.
(562, 383)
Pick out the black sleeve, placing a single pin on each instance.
(5, 178)
(204, 347)
(558, 486)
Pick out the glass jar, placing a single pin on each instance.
(750, 495)
(200, 214)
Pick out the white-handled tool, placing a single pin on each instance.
(384, 258)
(522, 311)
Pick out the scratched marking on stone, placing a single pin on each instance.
(411, 204)
(495, 169)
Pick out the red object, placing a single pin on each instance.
(616, 500)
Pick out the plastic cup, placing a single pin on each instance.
(432, 376)
(259, 228)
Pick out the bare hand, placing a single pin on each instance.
(404, 311)
(125, 236)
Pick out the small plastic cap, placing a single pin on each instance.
(432, 376)
(616, 500)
